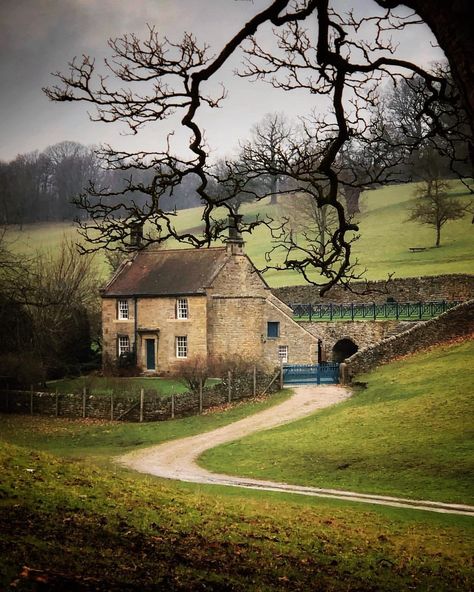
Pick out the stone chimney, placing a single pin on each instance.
(136, 234)
(235, 243)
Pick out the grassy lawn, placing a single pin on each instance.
(102, 385)
(104, 439)
(383, 247)
(410, 433)
(61, 501)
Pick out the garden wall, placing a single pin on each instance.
(134, 407)
(456, 322)
(429, 288)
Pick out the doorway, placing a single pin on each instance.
(150, 348)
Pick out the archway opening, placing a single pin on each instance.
(343, 349)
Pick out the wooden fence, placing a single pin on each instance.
(139, 406)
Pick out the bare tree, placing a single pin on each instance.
(318, 50)
(264, 152)
(435, 207)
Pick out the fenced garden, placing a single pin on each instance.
(372, 311)
(136, 399)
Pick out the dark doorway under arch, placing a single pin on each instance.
(343, 349)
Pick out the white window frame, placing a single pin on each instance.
(182, 308)
(182, 346)
(283, 354)
(123, 345)
(123, 310)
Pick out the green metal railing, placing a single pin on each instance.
(371, 311)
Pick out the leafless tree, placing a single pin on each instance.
(318, 50)
(433, 205)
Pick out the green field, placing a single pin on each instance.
(103, 385)
(62, 500)
(383, 247)
(409, 433)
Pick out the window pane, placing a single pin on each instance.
(123, 345)
(182, 308)
(182, 347)
(123, 309)
(283, 353)
(273, 329)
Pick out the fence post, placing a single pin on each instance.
(397, 312)
(172, 405)
(142, 400)
(420, 310)
(84, 394)
(200, 395)
(254, 380)
(56, 397)
(31, 400)
(229, 385)
(112, 406)
(310, 312)
(330, 311)
(352, 310)
(281, 374)
(375, 312)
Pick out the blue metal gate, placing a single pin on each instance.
(325, 373)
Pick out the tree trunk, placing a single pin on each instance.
(352, 195)
(451, 24)
(438, 235)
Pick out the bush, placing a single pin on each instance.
(21, 370)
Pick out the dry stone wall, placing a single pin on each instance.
(127, 406)
(456, 322)
(442, 287)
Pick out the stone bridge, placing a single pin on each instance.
(341, 339)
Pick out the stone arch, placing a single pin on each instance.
(343, 349)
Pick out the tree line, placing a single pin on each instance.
(44, 186)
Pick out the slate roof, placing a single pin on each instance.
(167, 272)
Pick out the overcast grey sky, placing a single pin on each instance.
(38, 37)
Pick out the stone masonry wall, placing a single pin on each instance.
(126, 407)
(302, 345)
(156, 319)
(362, 333)
(456, 322)
(443, 287)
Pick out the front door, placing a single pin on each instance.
(150, 354)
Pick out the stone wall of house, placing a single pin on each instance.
(160, 314)
(126, 407)
(362, 333)
(112, 327)
(156, 319)
(302, 345)
(456, 322)
(429, 288)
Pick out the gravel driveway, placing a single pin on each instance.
(177, 459)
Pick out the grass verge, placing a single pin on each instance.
(409, 433)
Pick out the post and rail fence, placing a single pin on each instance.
(372, 311)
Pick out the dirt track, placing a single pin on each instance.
(177, 459)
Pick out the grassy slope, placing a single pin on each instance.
(56, 511)
(382, 248)
(103, 385)
(410, 433)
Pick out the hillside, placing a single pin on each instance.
(409, 433)
(383, 246)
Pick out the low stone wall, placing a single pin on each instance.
(457, 322)
(127, 406)
(429, 288)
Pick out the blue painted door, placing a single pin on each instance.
(325, 373)
(150, 354)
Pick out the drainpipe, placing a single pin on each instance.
(135, 326)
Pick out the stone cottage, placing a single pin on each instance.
(169, 306)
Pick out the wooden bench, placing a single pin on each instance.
(417, 249)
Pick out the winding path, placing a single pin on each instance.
(177, 459)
